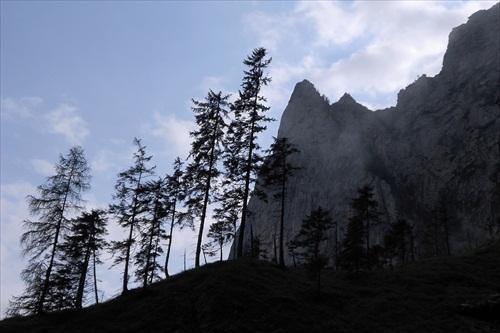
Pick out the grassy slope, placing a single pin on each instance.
(250, 296)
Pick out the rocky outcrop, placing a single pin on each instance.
(440, 143)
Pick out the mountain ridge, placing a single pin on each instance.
(440, 142)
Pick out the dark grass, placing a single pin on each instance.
(255, 296)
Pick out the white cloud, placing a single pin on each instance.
(272, 30)
(103, 161)
(13, 109)
(42, 167)
(335, 22)
(65, 120)
(174, 132)
(366, 48)
(17, 190)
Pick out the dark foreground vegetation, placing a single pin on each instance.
(449, 294)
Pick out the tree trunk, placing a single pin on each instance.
(172, 223)
(148, 255)
(54, 246)
(207, 189)
(221, 251)
(203, 216)
(130, 237)
(412, 245)
(155, 252)
(82, 280)
(368, 264)
(127, 259)
(49, 270)
(282, 226)
(446, 233)
(248, 172)
(95, 278)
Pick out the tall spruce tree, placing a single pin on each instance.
(131, 206)
(81, 250)
(274, 174)
(353, 252)
(397, 240)
(249, 118)
(176, 193)
(148, 267)
(365, 216)
(230, 202)
(206, 149)
(98, 243)
(366, 209)
(436, 232)
(312, 234)
(444, 221)
(58, 197)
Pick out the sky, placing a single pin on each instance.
(99, 74)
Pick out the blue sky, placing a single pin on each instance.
(98, 74)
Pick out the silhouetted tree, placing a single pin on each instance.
(97, 243)
(221, 234)
(152, 232)
(337, 247)
(206, 149)
(274, 175)
(27, 302)
(63, 286)
(248, 121)
(130, 207)
(436, 231)
(229, 199)
(81, 249)
(444, 221)
(292, 251)
(353, 252)
(366, 209)
(60, 195)
(176, 193)
(312, 234)
(397, 240)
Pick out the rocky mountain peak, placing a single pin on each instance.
(346, 99)
(436, 149)
(473, 47)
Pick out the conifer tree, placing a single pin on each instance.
(58, 197)
(221, 234)
(366, 210)
(436, 232)
(249, 118)
(312, 234)
(229, 200)
(365, 216)
(176, 193)
(98, 243)
(353, 252)
(206, 149)
(444, 221)
(152, 233)
(81, 249)
(274, 175)
(130, 207)
(397, 239)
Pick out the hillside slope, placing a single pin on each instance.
(257, 296)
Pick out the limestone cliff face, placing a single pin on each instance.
(440, 142)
